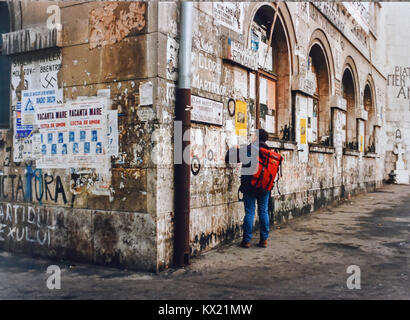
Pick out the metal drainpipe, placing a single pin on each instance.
(182, 171)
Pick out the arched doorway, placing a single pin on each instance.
(273, 107)
(5, 68)
(320, 120)
(349, 93)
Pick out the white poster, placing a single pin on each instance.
(32, 99)
(53, 122)
(73, 135)
(265, 59)
(263, 90)
(252, 90)
(206, 110)
(229, 14)
(40, 71)
(241, 82)
(270, 124)
(146, 94)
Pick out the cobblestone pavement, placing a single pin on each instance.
(306, 259)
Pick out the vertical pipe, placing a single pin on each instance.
(182, 171)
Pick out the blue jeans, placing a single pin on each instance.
(249, 198)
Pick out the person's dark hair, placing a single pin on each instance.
(263, 135)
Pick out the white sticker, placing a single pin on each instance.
(146, 94)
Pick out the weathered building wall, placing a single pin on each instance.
(313, 177)
(118, 209)
(98, 209)
(398, 84)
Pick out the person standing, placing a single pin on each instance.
(248, 155)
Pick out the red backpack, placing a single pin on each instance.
(269, 163)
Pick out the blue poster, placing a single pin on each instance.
(22, 131)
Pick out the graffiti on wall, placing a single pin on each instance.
(22, 223)
(206, 73)
(33, 186)
(400, 79)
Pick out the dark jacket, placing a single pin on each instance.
(247, 155)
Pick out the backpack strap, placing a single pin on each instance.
(279, 176)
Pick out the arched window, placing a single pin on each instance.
(319, 118)
(273, 108)
(348, 93)
(370, 143)
(5, 69)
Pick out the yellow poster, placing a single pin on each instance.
(240, 118)
(361, 143)
(303, 131)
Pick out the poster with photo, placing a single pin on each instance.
(52, 121)
(87, 135)
(73, 135)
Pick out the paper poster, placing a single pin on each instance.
(303, 131)
(206, 110)
(73, 135)
(146, 94)
(241, 82)
(252, 90)
(313, 132)
(22, 139)
(271, 94)
(36, 150)
(240, 118)
(21, 131)
(361, 135)
(53, 125)
(361, 144)
(229, 14)
(262, 90)
(265, 60)
(40, 70)
(229, 125)
(270, 124)
(303, 106)
(31, 99)
(310, 107)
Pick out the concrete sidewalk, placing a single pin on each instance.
(306, 259)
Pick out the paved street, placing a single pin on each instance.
(306, 259)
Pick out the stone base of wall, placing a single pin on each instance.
(116, 239)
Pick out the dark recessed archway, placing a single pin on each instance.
(275, 69)
(349, 93)
(321, 71)
(369, 126)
